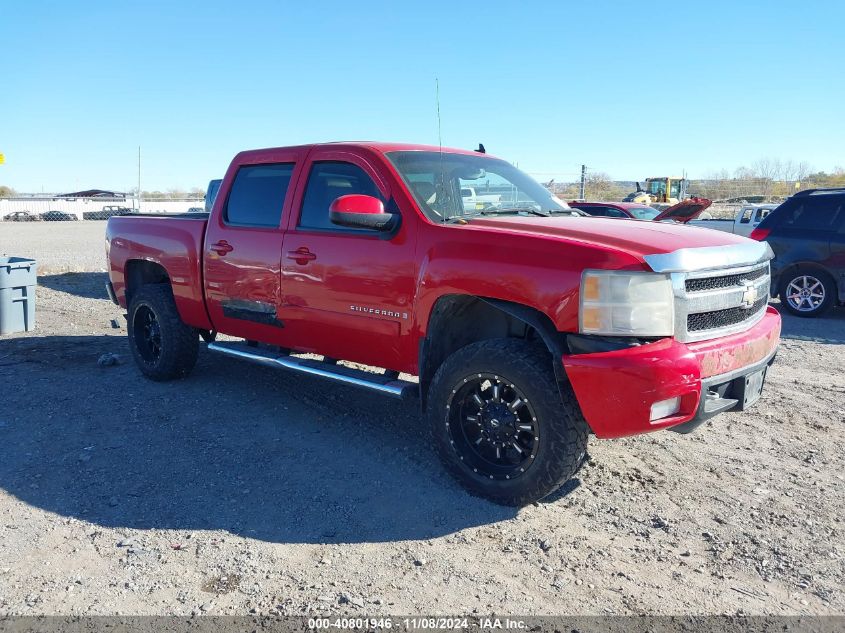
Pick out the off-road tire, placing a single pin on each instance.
(563, 431)
(179, 343)
(797, 275)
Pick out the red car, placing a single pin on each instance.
(528, 327)
(682, 212)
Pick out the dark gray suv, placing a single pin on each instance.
(807, 235)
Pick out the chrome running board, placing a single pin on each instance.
(374, 382)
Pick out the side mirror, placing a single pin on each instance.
(361, 212)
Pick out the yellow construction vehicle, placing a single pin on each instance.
(665, 190)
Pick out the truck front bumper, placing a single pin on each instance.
(617, 390)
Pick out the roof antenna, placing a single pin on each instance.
(437, 99)
(439, 138)
(481, 149)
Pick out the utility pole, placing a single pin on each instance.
(139, 178)
(582, 192)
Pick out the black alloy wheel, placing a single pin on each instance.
(493, 427)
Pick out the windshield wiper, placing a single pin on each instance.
(459, 218)
(516, 210)
(531, 210)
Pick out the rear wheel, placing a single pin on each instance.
(807, 293)
(163, 347)
(500, 424)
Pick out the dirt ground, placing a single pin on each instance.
(58, 246)
(248, 490)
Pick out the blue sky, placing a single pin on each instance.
(631, 89)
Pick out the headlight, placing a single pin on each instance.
(620, 303)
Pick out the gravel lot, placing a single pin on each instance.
(246, 490)
(59, 246)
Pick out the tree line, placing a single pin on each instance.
(767, 179)
(195, 193)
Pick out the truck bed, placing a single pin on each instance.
(137, 244)
(200, 215)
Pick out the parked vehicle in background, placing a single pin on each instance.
(113, 209)
(746, 219)
(518, 318)
(106, 212)
(662, 190)
(21, 216)
(58, 216)
(630, 210)
(807, 235)
(682, 212)
(474, 201)
(211, 193)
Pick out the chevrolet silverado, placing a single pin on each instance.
(527, 326)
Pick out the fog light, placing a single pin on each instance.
(665, 408)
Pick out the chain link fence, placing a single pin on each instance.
(24, 208)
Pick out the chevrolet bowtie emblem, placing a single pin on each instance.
(749, 296)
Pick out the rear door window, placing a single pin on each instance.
(258, 195)
(815, 213)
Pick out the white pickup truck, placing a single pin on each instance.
(746, 220)
(474, 201)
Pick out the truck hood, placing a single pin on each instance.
(635, 237)
(684, 211)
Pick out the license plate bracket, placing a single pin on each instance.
(749, 388)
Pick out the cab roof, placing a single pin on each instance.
(377, 146)
(384, 147)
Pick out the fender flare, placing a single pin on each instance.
(553, 339)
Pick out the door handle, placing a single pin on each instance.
(222, 247)
(302, 255)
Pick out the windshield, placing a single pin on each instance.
(448, 186)
(643, 213)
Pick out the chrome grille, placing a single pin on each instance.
(714, 303)
(722, 318)
(713, 283)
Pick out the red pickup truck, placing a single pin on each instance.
(528, 325)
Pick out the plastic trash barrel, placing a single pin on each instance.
(17, 294)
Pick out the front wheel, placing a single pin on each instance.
(164, 347)
(501, 425)
(807, 293)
